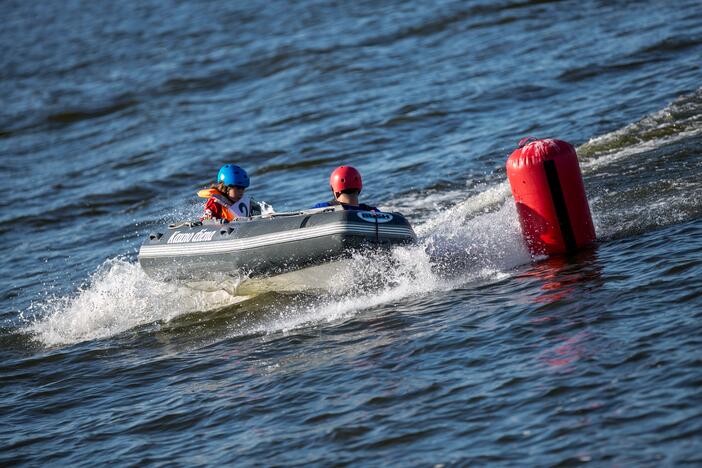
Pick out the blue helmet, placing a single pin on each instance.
(231, 174)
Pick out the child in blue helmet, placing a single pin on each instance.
(226, 200)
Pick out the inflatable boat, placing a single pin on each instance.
(280, 250)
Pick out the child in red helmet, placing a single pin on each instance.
(346, 185)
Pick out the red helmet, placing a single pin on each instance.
(345, 178)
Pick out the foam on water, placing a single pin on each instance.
(681, 120)
(487, 247)
(613, 156)
(118, 297)
(646, 172)
(482, 203)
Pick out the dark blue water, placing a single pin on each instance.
(114, 115)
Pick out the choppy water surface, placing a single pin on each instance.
(114, 115)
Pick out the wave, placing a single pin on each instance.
(438, 22)
(626, 198)
(304, 164)
(75, 115)
(682, 118)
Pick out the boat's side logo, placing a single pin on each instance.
(374, 217)
(182, 237)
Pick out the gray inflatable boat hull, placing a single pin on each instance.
(210, 255)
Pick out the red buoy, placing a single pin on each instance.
(550, 195)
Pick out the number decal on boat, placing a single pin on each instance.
(243, 209)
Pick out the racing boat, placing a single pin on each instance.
(293, 250)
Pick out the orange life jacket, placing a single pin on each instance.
(230, 211)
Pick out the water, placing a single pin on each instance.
(114, 115)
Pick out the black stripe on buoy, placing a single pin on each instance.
(559, 203)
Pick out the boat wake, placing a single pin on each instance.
(474, 238)
(120, 296)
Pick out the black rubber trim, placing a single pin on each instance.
(559, 204)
